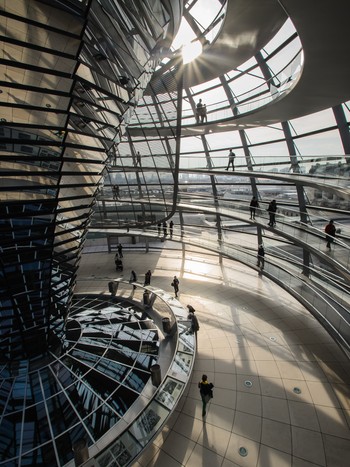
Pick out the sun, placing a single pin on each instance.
(191, 50)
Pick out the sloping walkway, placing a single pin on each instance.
(325, 76)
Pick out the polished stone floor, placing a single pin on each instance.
(282, 386)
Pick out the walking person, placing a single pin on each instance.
(175, 283)
(330, 231)
(261, 257)
(254, 204)
(159, 226)
(148, 276)
(171, 228)
(133, 278)
(120, 250)
(165, 229)
(272, 208)
(231, 160)
(206, 392)
(194, 320)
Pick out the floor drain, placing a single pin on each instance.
(243, 452)
(297, 390)
(248, 384)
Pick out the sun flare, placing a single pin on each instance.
(191, 51)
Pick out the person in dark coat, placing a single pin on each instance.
(330, 233)
(206, 392)
(116, 191)
(261, 257)
(171, 228)
(254, 203)
(194, 320)
(133, 278)
(148, 276)
(118, 264)
(175, 283)
(272, 213)
(120, 250)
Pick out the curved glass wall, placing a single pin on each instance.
(72, 74)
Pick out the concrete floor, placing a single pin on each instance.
(282, 386)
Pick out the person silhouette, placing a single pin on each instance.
(254, 203)
(120, 250)
(148, 276)
(138, 159)
(261, 257)
(175, 283)
(199, 107)
(330, 231)
(201, 112)
(116, 191)
(194, 320)
(133, 278)
(272, 208)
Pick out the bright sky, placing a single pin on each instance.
(204, 12)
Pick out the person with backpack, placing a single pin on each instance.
(206, 392)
